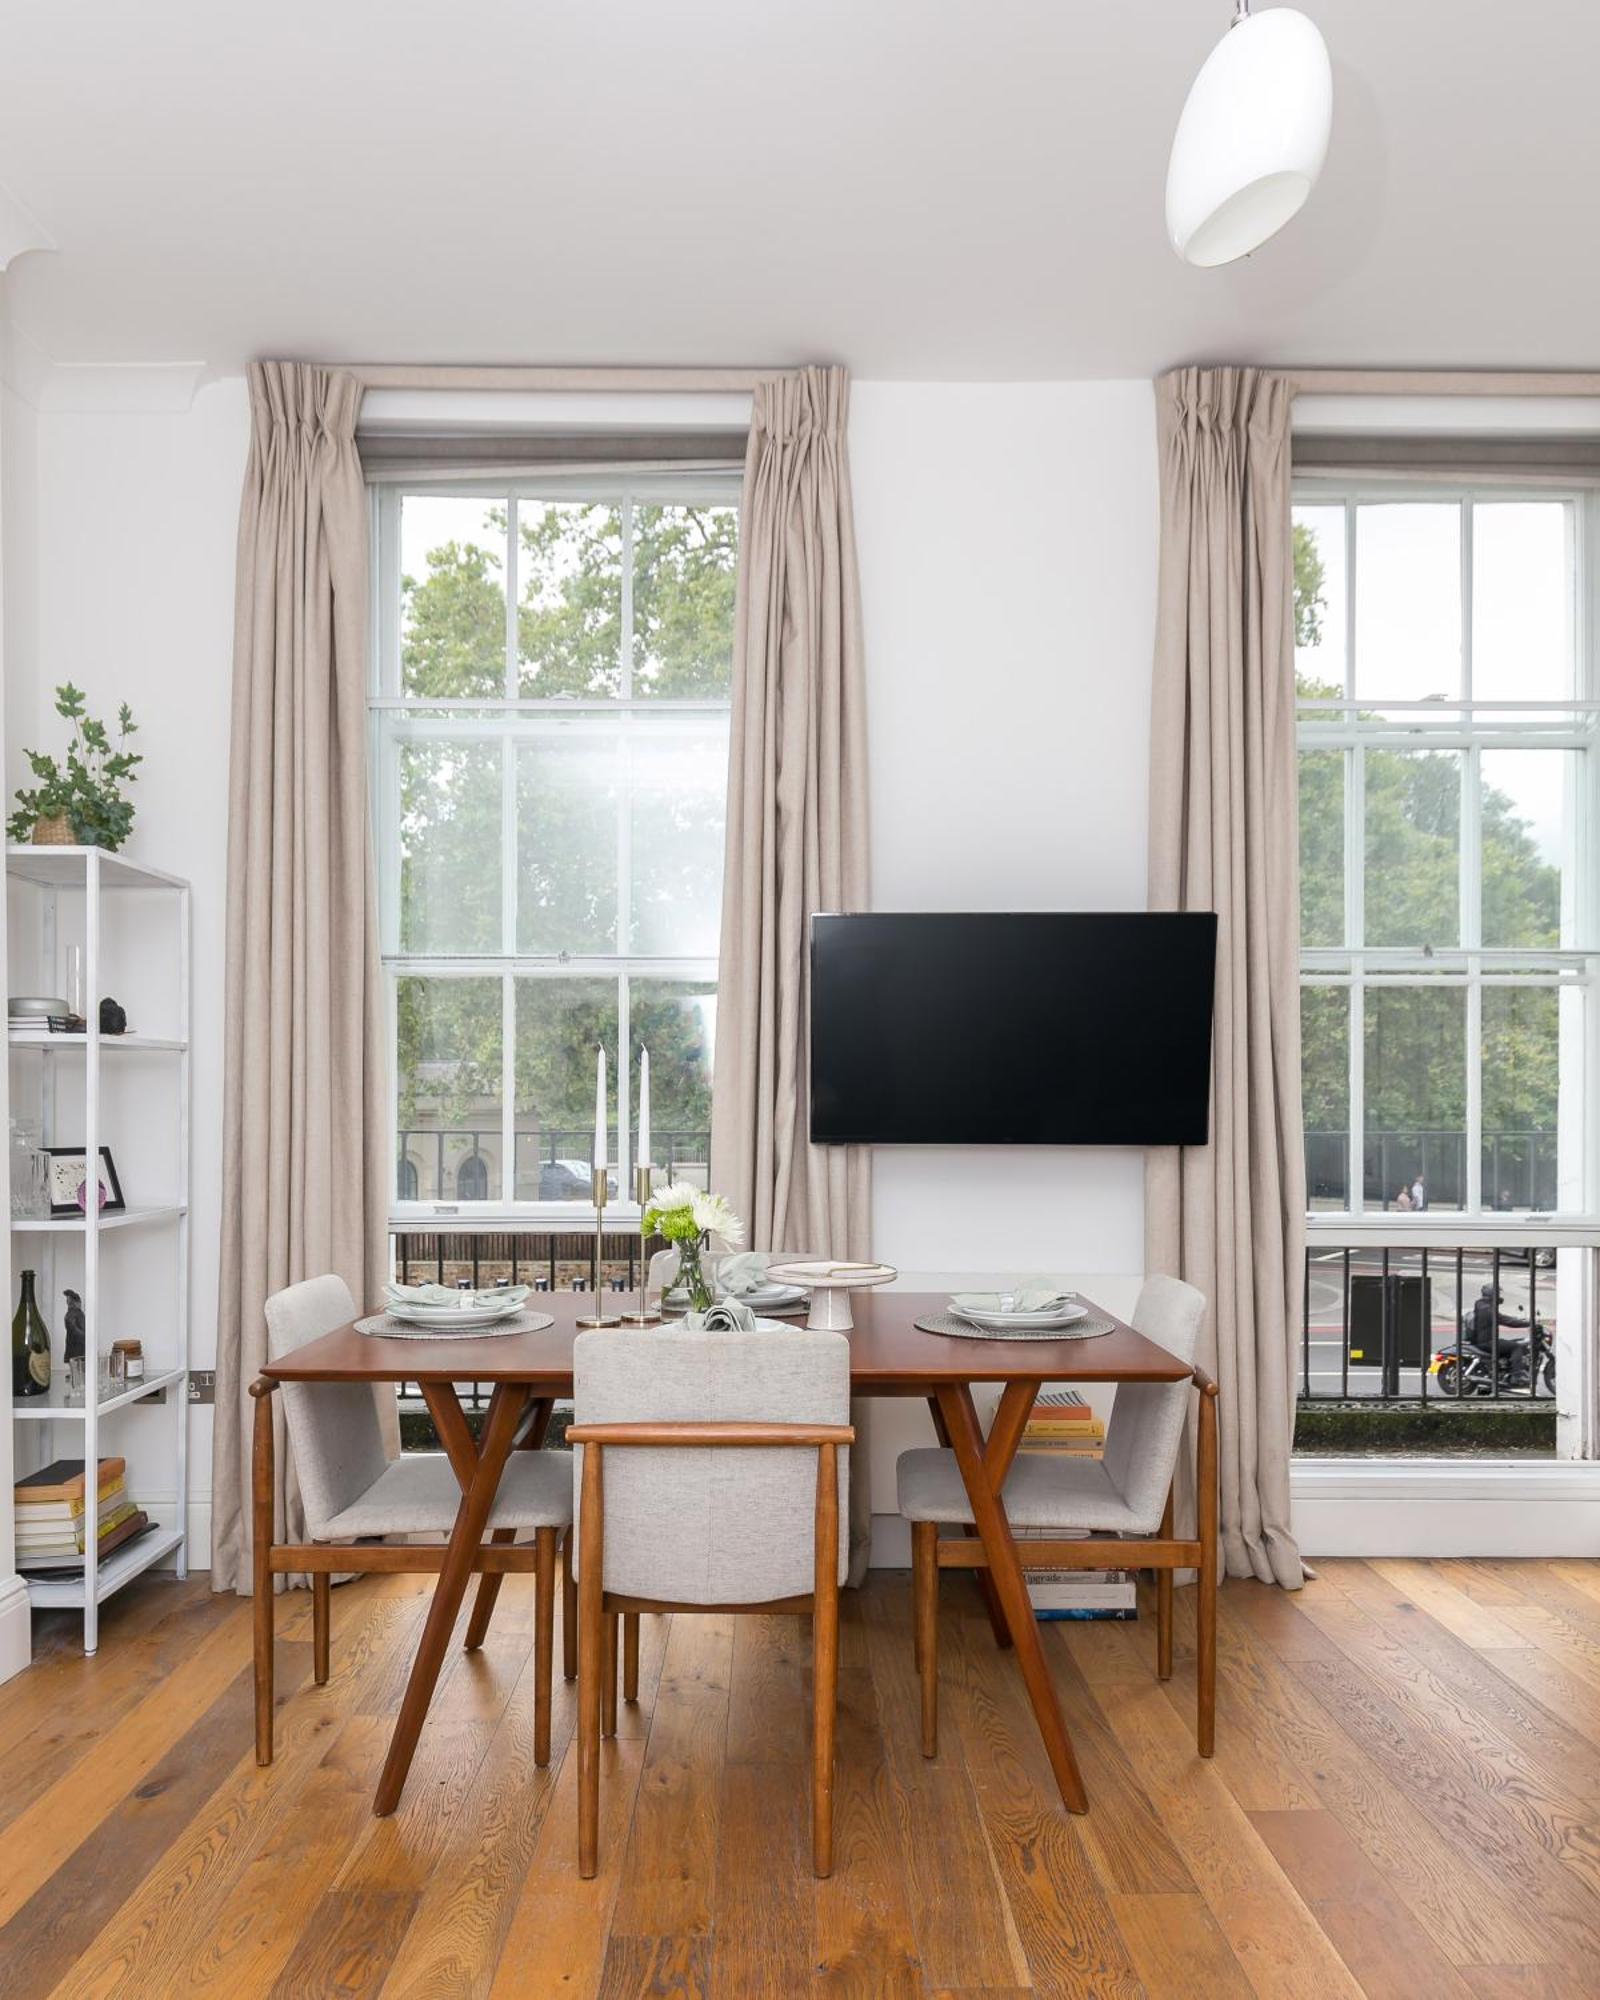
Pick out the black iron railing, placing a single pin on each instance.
(548, 1260)
(1394, 1325)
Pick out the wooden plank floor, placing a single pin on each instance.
(1405, 1802)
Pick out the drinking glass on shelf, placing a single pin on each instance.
(77, 1377)
(30, 1173)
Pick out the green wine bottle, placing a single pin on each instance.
(30, 1346)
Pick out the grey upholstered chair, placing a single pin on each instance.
(354, 1495)
(1125, 1497)
(711, 1471)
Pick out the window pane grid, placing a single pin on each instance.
(1467, 890)
(495, 1034)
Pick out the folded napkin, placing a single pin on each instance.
(745, 1271)
(447, 1295)
(728, 1317)
(1028, 1299)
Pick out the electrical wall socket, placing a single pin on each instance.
(202, 1385)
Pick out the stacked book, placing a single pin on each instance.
(1064, 1426)
(1063, 1423)
(1081, 1593)
(53, 1513)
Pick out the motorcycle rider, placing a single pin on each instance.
(1487, 1313)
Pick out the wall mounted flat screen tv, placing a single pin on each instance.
(1039, 1030)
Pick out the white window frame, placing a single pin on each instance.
(512, 719)
(1469, 727)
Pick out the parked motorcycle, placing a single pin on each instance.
(1463, 1370)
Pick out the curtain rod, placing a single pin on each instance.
(1439, 382)
(625, 381)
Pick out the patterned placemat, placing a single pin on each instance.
(963, 1329)
(398, 1329)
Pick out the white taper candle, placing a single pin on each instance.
(644, 1108)
(600, 1108)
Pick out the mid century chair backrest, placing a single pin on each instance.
(712, 1525)
(334, 1432)
(1147, 1418)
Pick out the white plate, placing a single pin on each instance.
(773, 1295)
(384, 1326)
(675, 1318)
(447, 1316)
(997, 1322)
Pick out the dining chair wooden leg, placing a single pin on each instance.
(630, 1656)
(320, 1582)
(544, 1616)
(824, 1658)
(608, 1680)
(569, 1609)
(261, 1503)
(925, 1592)
(1205, 1611)
(591, 1649)
(1164, 1602)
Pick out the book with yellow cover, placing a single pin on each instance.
(69, 1539)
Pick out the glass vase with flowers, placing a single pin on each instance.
(688, 1217)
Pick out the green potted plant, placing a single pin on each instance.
(83, 803)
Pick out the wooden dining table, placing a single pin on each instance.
(526, 1373)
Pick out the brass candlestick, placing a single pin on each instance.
(642, 1191)
(597, 1319)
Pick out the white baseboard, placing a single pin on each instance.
(16, 1630)
(200, 1533)
(1445, 1507)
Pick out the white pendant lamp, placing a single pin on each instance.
(1252, 138)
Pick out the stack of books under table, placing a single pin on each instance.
(1064, 1426)
(53, 1515)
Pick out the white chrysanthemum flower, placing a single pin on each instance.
(715, 1217)
(677, 1194)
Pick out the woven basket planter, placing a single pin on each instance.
(55, 832)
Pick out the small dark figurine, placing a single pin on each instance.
(73, 1347)
(113, 1019)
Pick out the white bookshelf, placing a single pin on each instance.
(75, 1070)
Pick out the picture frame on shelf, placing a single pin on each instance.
(68, 1174)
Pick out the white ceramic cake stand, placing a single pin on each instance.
(830, 1286)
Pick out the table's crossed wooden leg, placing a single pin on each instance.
(984, 1581)
(478, 1467)
(983, 1471)
(488, 1591)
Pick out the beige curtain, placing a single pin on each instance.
(305, 1150)
(797, 834)
(1224, 836)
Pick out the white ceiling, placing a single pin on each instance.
(922, 188)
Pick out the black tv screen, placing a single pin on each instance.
(1047, 1030)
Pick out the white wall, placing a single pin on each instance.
(1007, 539)
(120, 558)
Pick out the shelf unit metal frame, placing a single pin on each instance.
(94, 872)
